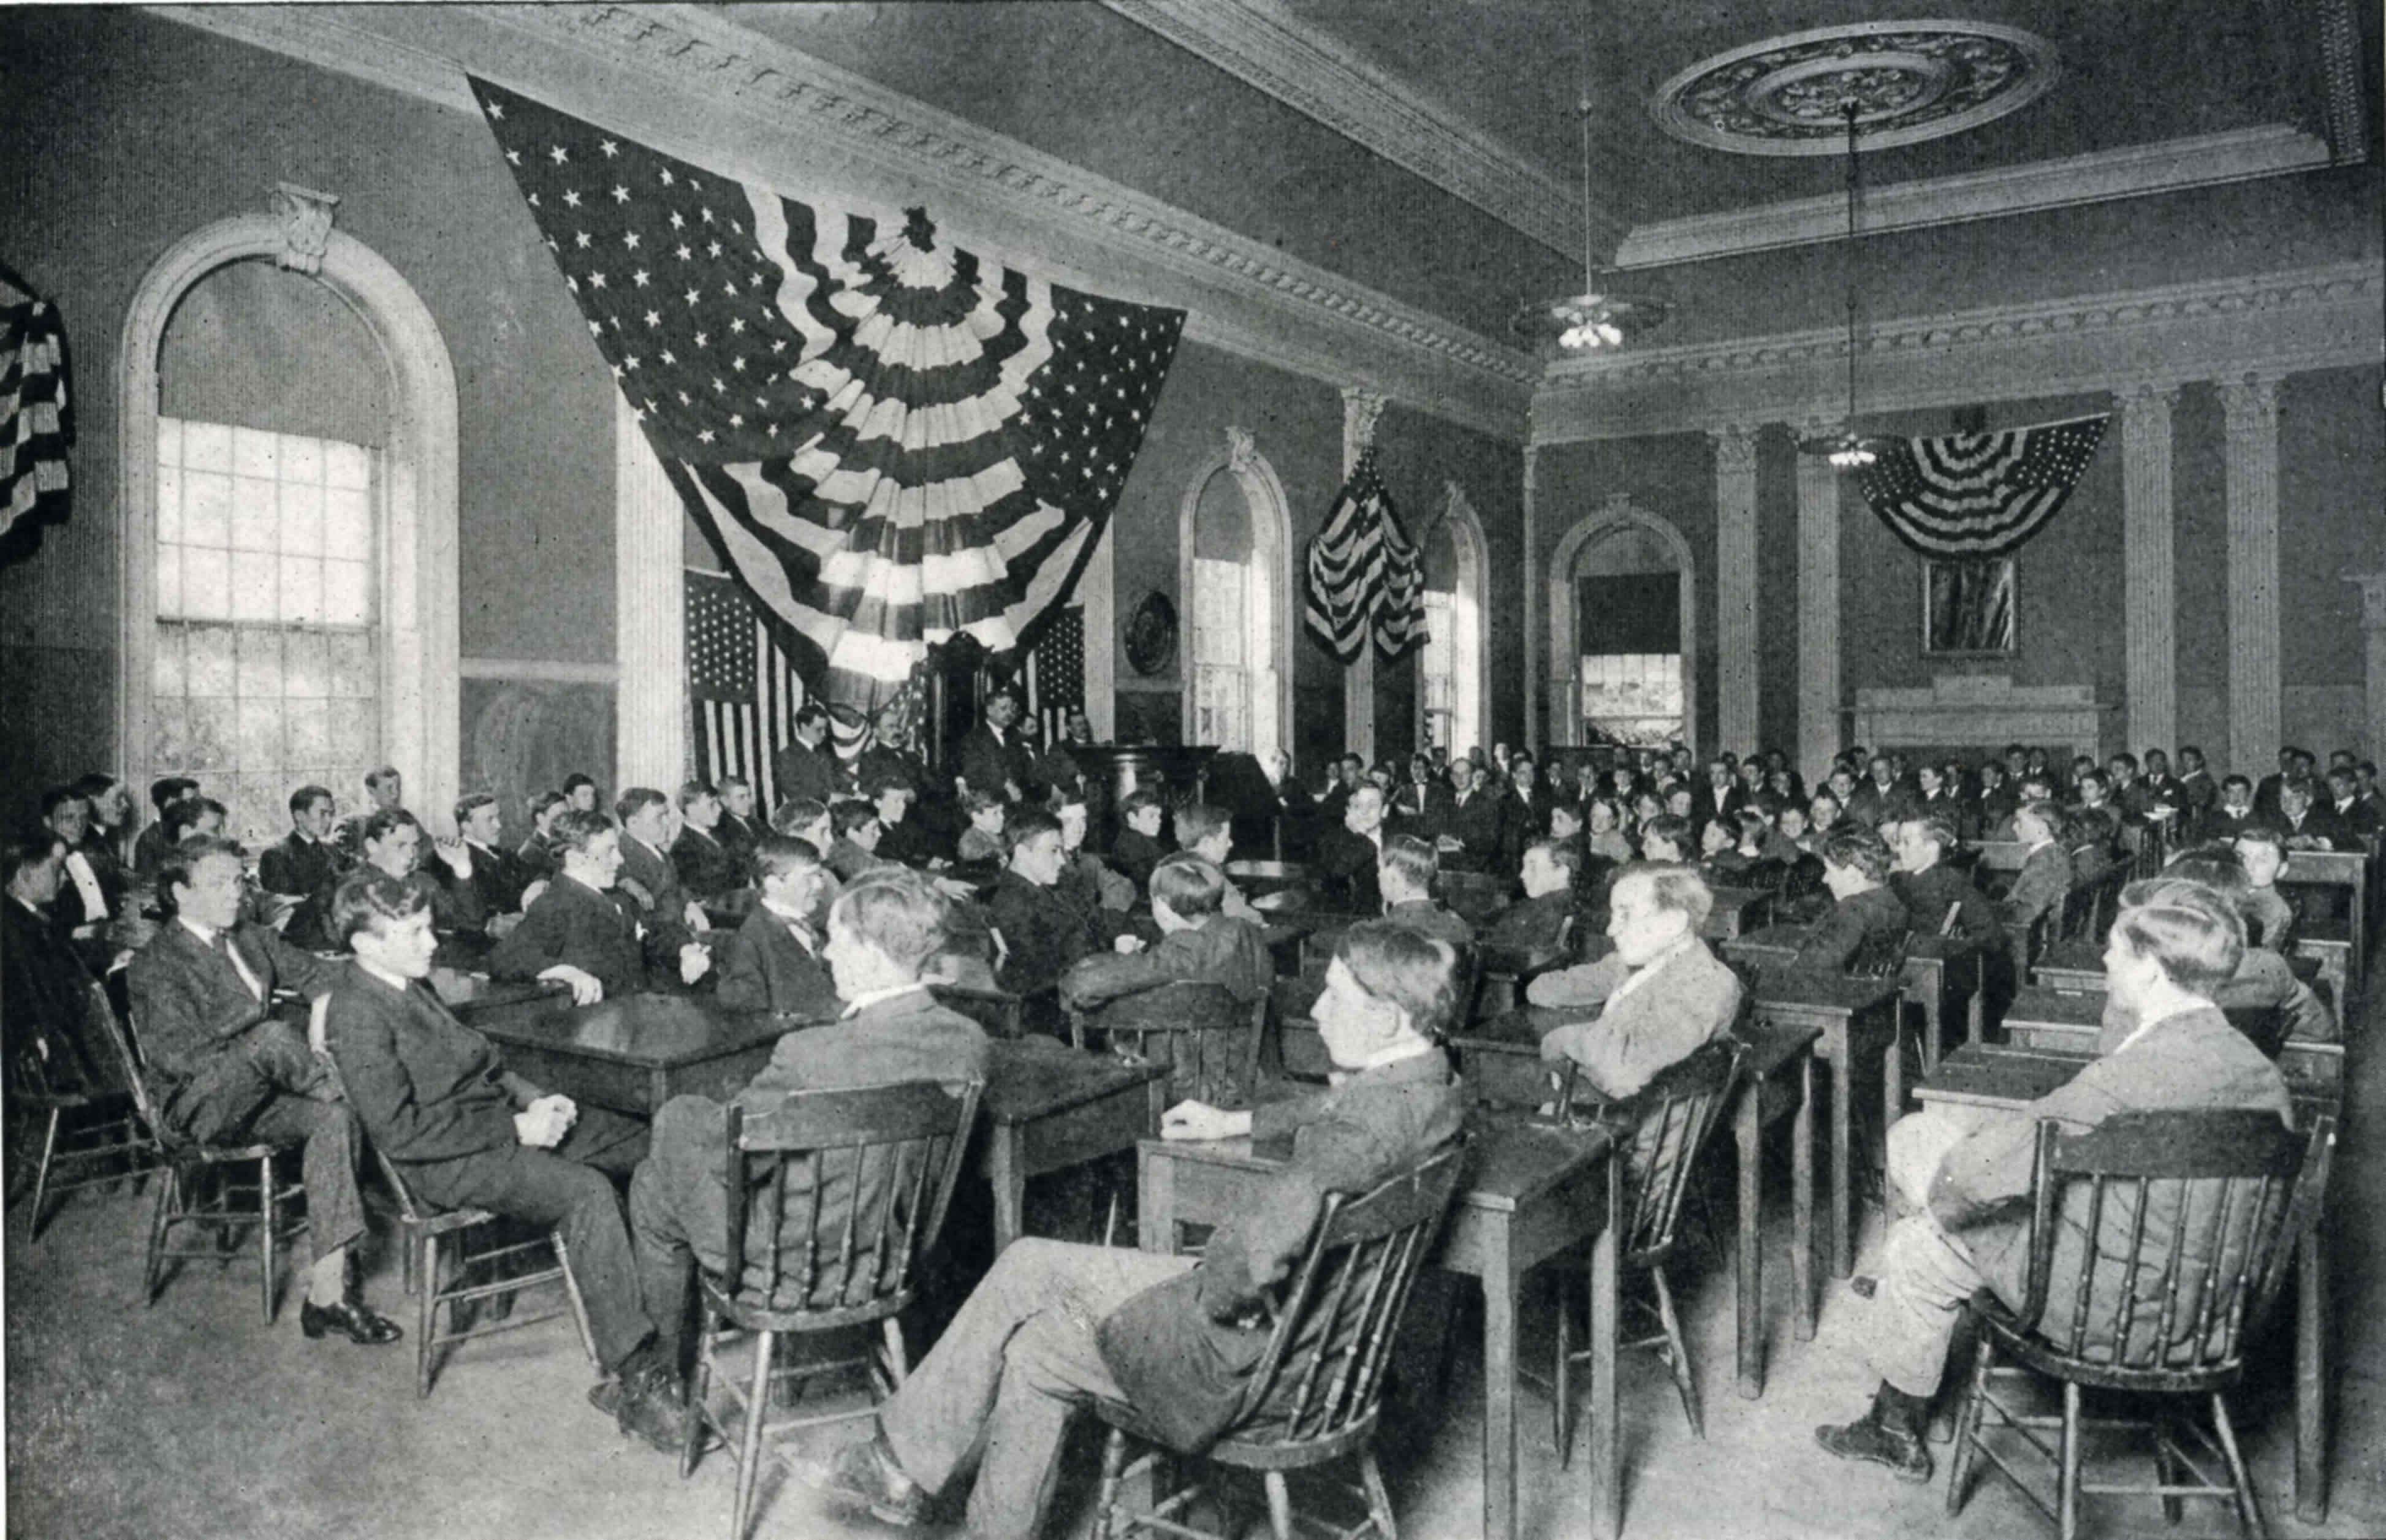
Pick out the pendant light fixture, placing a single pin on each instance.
(1845, 448)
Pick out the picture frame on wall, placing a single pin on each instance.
(1968, 607)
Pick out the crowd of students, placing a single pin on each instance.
(842, 908)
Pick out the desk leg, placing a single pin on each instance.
(1934, 1005)
(1893, 1083)
(2311, 1377)
(1976, 1010)
(1009, 1187)
(1748, 1130)
(1500, 1288)
(1155, 1205)
(1607, 1498)
(1837, 1038)
(1801, 1201)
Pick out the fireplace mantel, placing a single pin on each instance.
(1982, 711)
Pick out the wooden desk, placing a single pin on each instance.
(1263, 877)
(2073, 967)
(2009, 1079)
(1738, 910)
(1778, 1052)
(1049, 1107)
(1530, 1191)
(1849, 1014)
(2345, 870)
(633, 1054)
(2069, 1023)
(1936, 968)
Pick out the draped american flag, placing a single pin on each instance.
(886, 439)
(742, 693)
(36, 419)
(1362, 571)
(1978, 494)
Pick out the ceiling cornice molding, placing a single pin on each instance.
(2271, 323)
(2138, 170)
(699, 86)
(1269, 49)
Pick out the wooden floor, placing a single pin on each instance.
(194, 1419)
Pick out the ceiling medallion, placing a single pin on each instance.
(1910, 80)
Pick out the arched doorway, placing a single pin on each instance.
(1623, 592)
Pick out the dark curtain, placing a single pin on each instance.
(1640, 612)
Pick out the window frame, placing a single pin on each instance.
(1267, 658)
(1473, 549)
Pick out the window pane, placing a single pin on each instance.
(170, 441)
(260, 662)
(170, 734)
(306, 668)
(345, 603)
(302, 460)
(302, 519)
(214, 729)
(260, 745)
(306, 732)
(206, 510)
(353, 739)
(348, 525)
(166, 664)
(344, 464)
(302, 590)
(253, 578)
(253, 453)
(210, 653)
(255, 514)
(170, 503)
(352, 666)
(206, 446)
(207, 584)
(169, 580)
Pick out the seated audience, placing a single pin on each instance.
(1604, 838)
(495, 875)
(384, 792)
(806, 769)
(1208, 832)
(1864, 910)
(47, 1002)
(773, 961)
(1535, 922)
(2045, 873)
(992, 757)
(150, 847)
(225, 1069)
(647, 876)
(708, 867)
(1197, 943)
(304, 865)
(1666, 838)
(1404, 875)
(902, 839)
(111, 816)
(893, 1033)
(2263, 980)
(984, 839)
(194, 818)
(538, 857)
(1085, 879)
(1055, 1325)
(854, 850)
(1659, 996)
(2345, 818)
(740, 829)
(580, 933)
(1348, 856)
(1934, 892)
(1967, 1177)
(2302, 825)
(1474, 825)
(1042, 933)
(391, 842)
(92, 891)
(582, 791)
(2270, 918)
(1137, 849)
(2228, 814)
(468, 1133)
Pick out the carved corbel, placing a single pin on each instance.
(306, 217)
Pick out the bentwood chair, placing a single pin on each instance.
(800, 1262)
(443, 1268)
(91, 1130)
(227, 1189)
(1209, 1040)
(2158, 1241)
(1315, 1392)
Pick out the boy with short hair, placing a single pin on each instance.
(580, 933)
(984, 839)
(1042, 932)
(648, 874)
(304, 865)
(1137, 849)
(538, 856)
(1856, 868)
(1404, 875)
(1197, 942)
(2045, 873)
(1208, 832)
(854, 850)
(1549, 873)
(773, 961)
(2270, 920)
(708, 868)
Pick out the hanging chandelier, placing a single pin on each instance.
(1847, 449)
(1606, 313)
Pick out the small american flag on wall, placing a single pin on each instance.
(742, 693)
(1056, 672)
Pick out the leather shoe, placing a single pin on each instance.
(865, 1474)
(647, 1411)
(1877, 1443)
(349, 1318)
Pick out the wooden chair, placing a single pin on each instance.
(429, 1233)
(1209, 1040)
(1506, 971)
(1880, 956)
(2172, 1232)
(1668, 1124)
(1300, 1052)
(202, 1187)
(91, 1131)
(999, 1012)
(795, 1266)
(1314, 1395)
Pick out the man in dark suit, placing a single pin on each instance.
(1879, 799)
(648, 874)
(1042, 932)
(991, 757)
(304, 865)
(582, 934)
(1054, 1325)
(48, 997)
(1347, 856)
(496, 877)
(392, 842)
(1533, 924)
(1867, 911)
(1197, 943)
(538, 858)
(2294, 764)
(806, 769)
(384, 792)
(1478, 820)
(2347, 818)
(2195, 781)
(1930, 889)
(740, 829)
(1526, 815)
(1423, 805)
(2045, 874)
(150, 845)
(1137, 849)
(1720, 795)
(708, 868)
(225, 1069)
(466, 1133)
(881, 932)
(773, 961)
(90, 893)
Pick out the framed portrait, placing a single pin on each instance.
(1968, 607)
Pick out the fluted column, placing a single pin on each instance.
(1360, 410)
(1736, 700)
(2373, 637)
(1532, 584)
(649, 626)
(2149, 612)
(1819, 610)
(2248, 407)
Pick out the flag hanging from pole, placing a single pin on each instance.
(1363, 573)
(887, 440)
(36, 419)
(1400, 609)
(1978, 494)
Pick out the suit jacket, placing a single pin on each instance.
(189, 1001)
(1834, 940)
(1183, 1349)
(47, 1008)
(1423, 810)
(2358, 819)
(1480, 823)
(2200, 790)
(574, 923)
(665, 904)
(2191, 1060)
(2217, 822)
(1530, 924)
(799, 772)
(426, 1086)
(1706, 807)
(537, 858)
(149, 851)
(1872, 807)
(499, 878)
(1521, 823)
(707, 865)
(2262, 981)
(882, 765)
(1135, 854)
(1427, 918)
(987, 761)
(295, 864)
(1346, 867)
(1219, 951)
(1042, 932)
(2045, 876)
(762, 966)
(1928, 895)
(1688, 999)
(1962, 816)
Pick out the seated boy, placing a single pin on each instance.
(1661, 994)
(583, 934)
(855, 849)
(1404, 874)
(2262, 980)
(1856, 868)
(893, 1033)
(1930, 889)
(2045, 873)
(1086, 879)
(773, 961)
(1209, 832)
(1197, 943)
(1533, 923)
(466, 1133)
(648, 874)
(304, 865)
(1055, 1325)
(707, 867)
(2270, 920)
(537, 856)
(1042, 933)
(391, 840)
(983, 840)
(1137, 849)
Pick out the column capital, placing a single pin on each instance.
(1361, 409)
(1735, 445)
(2249, 395)
(2138, 395)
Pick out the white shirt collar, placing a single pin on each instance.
(869, 997)
(207, 933)
(1397, 1053)
(395, 981)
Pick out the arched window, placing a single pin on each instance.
(287, 560)
(1233, 561)
(1622, 627)
(1453, 669)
